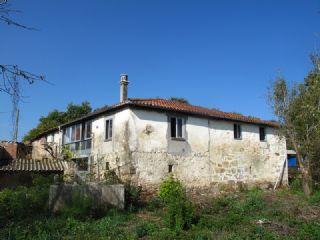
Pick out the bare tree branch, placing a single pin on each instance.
(5, 11)
(11, 73)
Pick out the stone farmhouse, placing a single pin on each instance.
(145, 140)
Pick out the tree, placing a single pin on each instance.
(298, 110)
(56, 118)
(179, 99)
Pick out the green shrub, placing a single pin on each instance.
(154, 204)
(254, 200)
(223, 202)
(203, 236)
(296, 185)
(81, 207)
(180, 212)
(309, 231)
(144, 229)
(58, 227)
(164, 234)
(40, 180)
(197, 232)
(22, 202)
(315, 198)
(132, 197)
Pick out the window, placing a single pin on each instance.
(50, 138)
(108, 129)
(78, 132)
(66, 135)
(170, 168)
(72, 134)
(87, 130)
(107, 166)
(177, 127)
(237, 131)
(262, 132)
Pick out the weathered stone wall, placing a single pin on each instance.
(63, 195)
(13, 150)
(210, 158)
(38, 146)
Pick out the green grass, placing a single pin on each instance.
(254, 214)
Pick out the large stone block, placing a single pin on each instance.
(63, 195)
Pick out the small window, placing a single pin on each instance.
(237, 131)
(50, 138)
(73, 133)
(66, 135)
(108, 129)
(176, 127)
(170, 166)
(107, 166)
(78, 132)
(262, 132)
(87, 130)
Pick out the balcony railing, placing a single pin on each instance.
(80, 148)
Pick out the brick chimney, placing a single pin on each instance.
(123, 87)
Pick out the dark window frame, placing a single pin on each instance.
(87, 130)
(108, 129)
(237, 131)
(177, 128)
(76, 133)
(262, 134)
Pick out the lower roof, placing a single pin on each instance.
(32, 165)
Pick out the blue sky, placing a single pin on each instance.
(219, 54)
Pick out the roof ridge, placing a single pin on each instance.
(171, 105)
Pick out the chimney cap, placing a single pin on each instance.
(124, 78)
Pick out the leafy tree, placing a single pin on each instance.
(56, 118)
(75, 111)
(298, 110)
(178, 99)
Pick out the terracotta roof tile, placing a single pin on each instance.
(32, 165)
(169, 105)
(197, 110)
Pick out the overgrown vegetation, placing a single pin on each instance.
(56, 118)
(22, 202)
(252, 214)
(132, 197)
(297, 108)
(179, 212)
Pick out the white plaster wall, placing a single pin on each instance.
(114, 151)
(141, 150)
(58, 138)
(209, 155)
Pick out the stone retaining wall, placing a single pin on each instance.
(61, 195)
